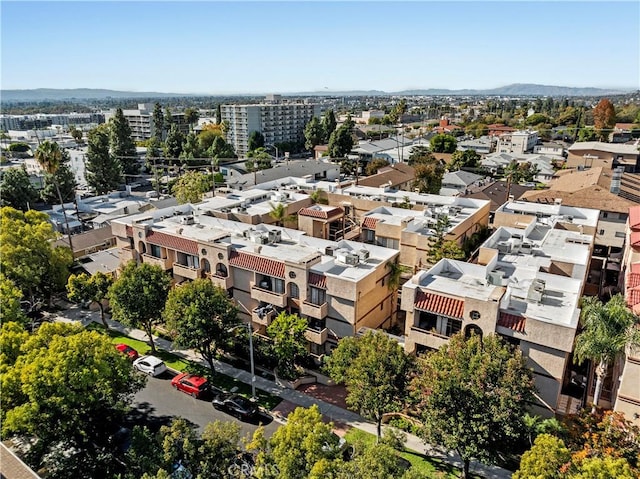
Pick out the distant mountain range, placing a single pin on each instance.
(516, 89)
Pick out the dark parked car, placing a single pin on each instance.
(235, 405)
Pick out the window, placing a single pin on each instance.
(295, 291)
(605, 214)
(601, 232)
(369, 236)
(620, 234)
(317, 296)
(156, 251)
(278, 286)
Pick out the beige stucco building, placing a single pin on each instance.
(525, 286)
(338, 287)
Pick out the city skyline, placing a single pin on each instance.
(280, 47)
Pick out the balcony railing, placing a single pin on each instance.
(317, 334)
(266, 296)
(428, 338)
(259, 316)
(317, 311)
(187, 271)
(224, 283)
(164, 263)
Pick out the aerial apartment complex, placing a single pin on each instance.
(525, 285)
(278, 121)
(141, 121)
(338, 286)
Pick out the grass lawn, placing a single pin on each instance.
(429, 466)
(266, 400)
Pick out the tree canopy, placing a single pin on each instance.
(256, 140)
(103, 171)
(190, 187)
(10, 297)
(443, 143)
(201, 315)
(17, 190)
(94, 289)
(374, 368)
(138, 296)
(472, 395)
(288, 342)
(313, 133)
(121, 145)
(341, 141)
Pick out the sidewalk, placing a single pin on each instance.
(332, 412)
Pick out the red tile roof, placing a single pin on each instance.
(512, 321)
(257, 263)
(634, 217)
(319, 213)
(172, 242)
(318, 280)
(633, 280)
(439, 304)
(369, 222)
(633, 297)
(635, 238)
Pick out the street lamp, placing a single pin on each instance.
(253, 373)
(273, 146)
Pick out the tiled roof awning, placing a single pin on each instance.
(512, 321)
(319, 212)
(257, 263)
(633, 280)
(634, 217)
(635, 238)
(369, 222)
(440, 304)
(318, 280)
(172, 242)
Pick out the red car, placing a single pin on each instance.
(190, 384)
(127, 350)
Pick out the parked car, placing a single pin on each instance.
(190, 384)
(235, 405)
(150, 364)
(128, 351)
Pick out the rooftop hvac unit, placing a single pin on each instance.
(363, 254)
(275, 236)
(455, 210)
(352, 259)
(495, 278)
(526, 247)
(187, 220)
(538, 284)
(504, 247)
(330, 250)
(260, 239)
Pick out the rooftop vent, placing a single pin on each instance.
(187, 220)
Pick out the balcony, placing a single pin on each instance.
(266, 296)
(222, 282)
(316, 334)
(316, 311)
(187, 271)
(263, 317)
(428, 338)
(164, 263)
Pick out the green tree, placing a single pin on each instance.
(28, 257)
(218, 113)
(158, 123)
(520, 172)
(190, 149)
(17, 190)
(256, 140)
(103, 171)
(604, 468)
(64, 178)
(587, 134)
(138, 296)
(472, 394)
(49, 157)
(372, 461)
(279, 213)
(420, 154)
(69, 387)
(288, 342)
(295, 447)
(219, 449)
(374, 368)
(201, 314)
(443, 143)
(329, 124)
(607, 330)
(341, 141)
(190, 187)
(144, 455)
(207, 136)
(428, 172)
(464, 159)
(191, 116)
(94, 288)
(76, 134)
(313, 134)
(261, 158)
(544, 460)
(10, 297)
(222, 150)
(168, 118)
(12, 338)
(374, 165)
(174, 142)
(395, 279)
(121, 145)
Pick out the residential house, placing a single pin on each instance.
(458, 182)
(396, 175)
(517, 142)
(590, 154)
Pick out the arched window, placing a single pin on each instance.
(221, 270)
(294, 291)
(472, 329)
(142, 247)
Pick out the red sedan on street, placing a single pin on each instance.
(190, 384)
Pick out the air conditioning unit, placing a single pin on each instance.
(526, 247)
(187, 220)
(275, 236)
(352, 259)
(504, 247)
(495, 278)
(330, 250)
(363, 254)
(260, 239)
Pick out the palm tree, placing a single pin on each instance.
(607, 330)
(316, 196)
(279, 213)
(395, 276)
(49, 156)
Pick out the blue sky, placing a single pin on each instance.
(258, 47)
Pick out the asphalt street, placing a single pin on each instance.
(158, 402)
